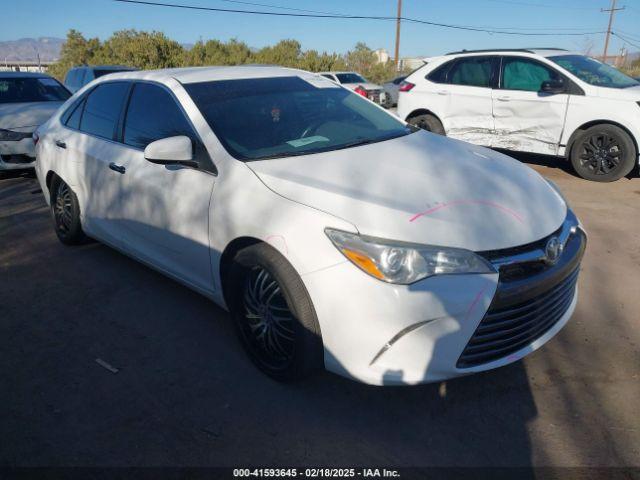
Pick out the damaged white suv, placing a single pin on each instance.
(546, 101)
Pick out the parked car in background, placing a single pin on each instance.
(26, 101)
(547, 101)
(354, 81)
(336, 235)
(78, 77)
(391, 91)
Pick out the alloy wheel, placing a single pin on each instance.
(62, 208)
(268, 321)
(601, 154)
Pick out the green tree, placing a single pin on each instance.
(76, 50)
(286, 53)
(144, 50)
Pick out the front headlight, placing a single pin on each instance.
(405, 263)
(10, 136)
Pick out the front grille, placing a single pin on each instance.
(506, 330)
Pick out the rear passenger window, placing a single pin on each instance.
(472, 71)
(102, 109)
(152, 115)
(439, 75)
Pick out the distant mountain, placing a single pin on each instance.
(28, 49)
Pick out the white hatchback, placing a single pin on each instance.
(335, 234)
(548, 101)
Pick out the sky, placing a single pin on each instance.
(99, 18)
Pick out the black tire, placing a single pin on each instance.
(65, 211)
(287, 349)
(427, 122)
(603, 153)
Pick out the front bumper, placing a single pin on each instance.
(386, 334)
(16, 155)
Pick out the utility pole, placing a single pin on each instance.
(611, 11)
(398, 21)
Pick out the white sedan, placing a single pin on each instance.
(27, 100)
(335, 234)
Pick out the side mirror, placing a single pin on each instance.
(171, 151)
(553, 86)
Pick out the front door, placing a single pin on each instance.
(527, 119)
(164, 209)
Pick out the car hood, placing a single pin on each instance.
(20, 115)
(631, 93)
(423, 188)
(366, 86)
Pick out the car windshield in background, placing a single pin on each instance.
(285, 116)
(350, 78)
(594, 72)
(100, 73)
(31, 89)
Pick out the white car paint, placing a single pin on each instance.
(418, 188)
(519, 120)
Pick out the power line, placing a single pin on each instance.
(625, 40)
(541, 5)
(498, 31)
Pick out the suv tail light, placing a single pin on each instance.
(406, 86)
(360, 90)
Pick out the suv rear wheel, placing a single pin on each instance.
(427, 122)
(603, 153)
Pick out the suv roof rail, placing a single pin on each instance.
(528, 50)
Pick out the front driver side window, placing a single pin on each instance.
(525, 74)
(153, 115)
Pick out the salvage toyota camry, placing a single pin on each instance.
(334, 233)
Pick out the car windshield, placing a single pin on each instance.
(261, 118)
(350, 78)
(594, 72)
(31, 89)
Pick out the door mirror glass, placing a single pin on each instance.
(172, 150)
(552, 86)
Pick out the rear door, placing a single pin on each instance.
(93, 150)
(164, 209)
(527, 119)
(464, 99)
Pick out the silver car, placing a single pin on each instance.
(27, 100)
(356, 82)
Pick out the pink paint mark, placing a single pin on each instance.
(475, 302)
(454, 203)
(278, 239)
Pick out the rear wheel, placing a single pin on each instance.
(603, 153)
(275, 319)
(427, 122)
(66, 213)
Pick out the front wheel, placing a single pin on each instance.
(603, 153)
(275, 318)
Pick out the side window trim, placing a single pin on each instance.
(199, 147)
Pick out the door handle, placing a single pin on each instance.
(61, 144)
(503, 99)
(117, 168)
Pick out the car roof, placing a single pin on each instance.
(345, 71)
(207, 74)
(24, 75)
(541, 51)
(105, 67)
